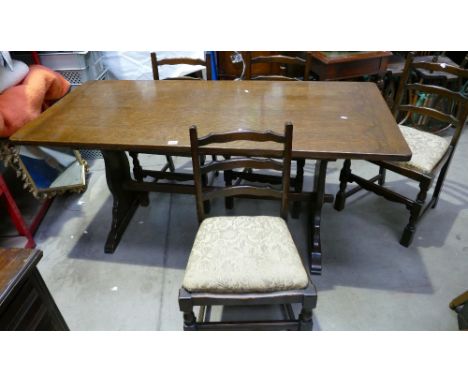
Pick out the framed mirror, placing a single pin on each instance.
(46, 171)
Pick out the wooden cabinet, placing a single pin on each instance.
(25, 301)
(346, 65)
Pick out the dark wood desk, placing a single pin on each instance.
(331, 120)
(345, 65)
(25, 301)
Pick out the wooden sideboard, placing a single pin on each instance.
(346, 65)
(325, 65)
(25, 301)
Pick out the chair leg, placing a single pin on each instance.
(389, 91)
(204, 176)
(415, 212)
(305, 319)
(341, 194)
(382, 175)
(229, 201)
(138, 174)
(190, 323)
(439, 184)
(170, 163)
(137, 169)
(298, 186)
(186, 306)
(214, 159)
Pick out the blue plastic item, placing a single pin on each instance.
(214, 73)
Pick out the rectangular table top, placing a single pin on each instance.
(331, 119)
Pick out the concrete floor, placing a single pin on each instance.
(369, 281)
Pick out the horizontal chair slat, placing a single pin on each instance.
(241, 135)
(230, 164)
(181, 60)
(249, 325)
(261, 298)
(430, 112)
(243, 190)
(251, 177)
(441, 67)
(278, 58)
(167, 175)
(434, 89)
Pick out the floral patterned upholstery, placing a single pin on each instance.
(243, 254)
(427, 149)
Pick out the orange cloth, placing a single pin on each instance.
(24, 102)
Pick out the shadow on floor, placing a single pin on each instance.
(162, 234)
(453, 199)
(376, 224)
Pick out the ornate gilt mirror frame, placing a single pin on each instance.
(72, 178)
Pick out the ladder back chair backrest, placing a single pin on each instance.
(283, 165)
(457, 114)
(294, 61)
(181, 61)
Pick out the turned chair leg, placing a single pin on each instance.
(137, 169)
(298, 186)
(415, 212)
(341, 194)
(382, 176)
(170, 163)
(190, 321)
(206, 206)
(186, 306)
(204, 176)
(214, 159)
(305, 319)
(138, 174)
(229, 201)
(439, 184)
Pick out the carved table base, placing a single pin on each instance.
(128, 194)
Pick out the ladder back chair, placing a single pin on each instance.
(168, 171)
(432, 154)
(288, 65)
(181, 61)
(245, 260)
(440, 102)
(397, 65)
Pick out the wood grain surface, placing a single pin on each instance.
(331, 119)
(14, 263)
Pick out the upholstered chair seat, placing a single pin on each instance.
(431, 154)
(243, 254)
(427, 148)
(245, 260)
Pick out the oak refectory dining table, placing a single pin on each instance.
(332, 120)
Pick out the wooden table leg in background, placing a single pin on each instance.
(315, 256)
(125, 202)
